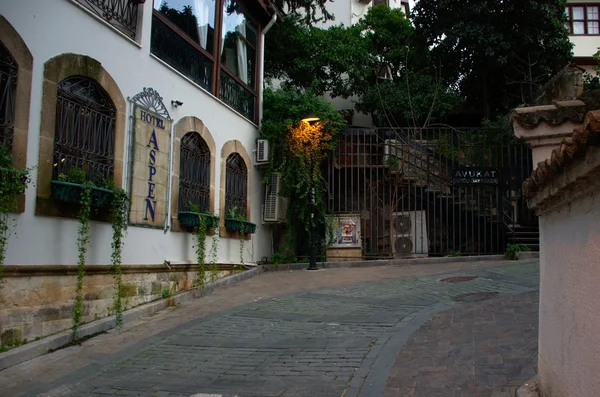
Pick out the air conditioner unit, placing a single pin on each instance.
(364, 1)
(262, 151)
(408, 233)
(275, 207)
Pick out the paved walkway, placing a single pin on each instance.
(326, 333)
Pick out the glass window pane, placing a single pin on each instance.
(238, 46)
(568, 26)
(593, 28)
(578, 27)
(196, 18)
(592, 13)
(567, 11)
(578, 13)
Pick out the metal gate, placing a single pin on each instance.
(429, 192)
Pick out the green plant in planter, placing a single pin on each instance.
(512, 251)
(67, 188)
(119, 225)
(12, 183)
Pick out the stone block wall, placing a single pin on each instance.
(37, 301)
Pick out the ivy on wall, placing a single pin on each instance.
(298, 151)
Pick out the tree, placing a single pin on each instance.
(349, 62)
(499, 52)
(296, 151)
(311, 11)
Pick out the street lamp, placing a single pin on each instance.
(311, 118)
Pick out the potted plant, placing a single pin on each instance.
(67, 189)
(512, 251)
(236, 222)
(190, 218)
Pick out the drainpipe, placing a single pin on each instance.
(262, 63)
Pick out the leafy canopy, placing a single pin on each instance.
(351, 61)
(498, 51)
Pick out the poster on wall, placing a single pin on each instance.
(346, 231)
(150, 168)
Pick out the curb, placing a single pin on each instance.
(35, 349)
(399, 262)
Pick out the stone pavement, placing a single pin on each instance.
(324, 333)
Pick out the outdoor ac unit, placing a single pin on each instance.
(364, 1)
(408, 233)
(275, 207)
(262, 151)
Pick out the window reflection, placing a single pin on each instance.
(196, 18)
(238, 47)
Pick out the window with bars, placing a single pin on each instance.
(236, 184)
(384, 2)
(122, 14)
(85, 130)
(194, 173)
(583, 19)
(8, 86)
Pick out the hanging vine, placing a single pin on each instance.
(200, 235)
(83, 239)
(214, 249)
(119, 225)
(12, 183)
(242, 239)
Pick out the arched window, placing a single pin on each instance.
(194, 172)
(8, 86)
(85, 130)
(236, 184)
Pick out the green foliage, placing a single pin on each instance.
(591, 81)
(498, 52)
(310, 11)
(454, 253)
(351, 61)
(213, 267)
(512, 251)
(236, 214)
(165, 293)
(119, 225)
(12, 183)
(281, 258)
(11, 344)
(284, 108)
(83, 239)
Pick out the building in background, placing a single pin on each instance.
(584, 30)
(158, 97)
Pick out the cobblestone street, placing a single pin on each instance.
(410, 335)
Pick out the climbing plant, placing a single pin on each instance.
(214, 249)
(119, 225)
(83, 239)
(297, 151)
(12, 183)
(200, 237)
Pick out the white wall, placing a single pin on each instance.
(52, 27)
(569, 342)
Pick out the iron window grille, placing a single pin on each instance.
(583, 19)
(194, 172)
(237, 96)
(122, 14)
(236, 184)
(8, 84)
(85, 130)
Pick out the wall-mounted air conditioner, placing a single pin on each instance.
(408, 233)
(261, 154)
(275, 207)
(364, 1)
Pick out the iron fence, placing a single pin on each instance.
(433, 191)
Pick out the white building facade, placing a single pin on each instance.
(161, 99)
(584, 30)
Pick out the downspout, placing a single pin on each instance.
(261, 77)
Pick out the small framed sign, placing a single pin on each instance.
(475, 176)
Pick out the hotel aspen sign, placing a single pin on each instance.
(150, 168)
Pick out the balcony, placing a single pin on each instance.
(121, 14)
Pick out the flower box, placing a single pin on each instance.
(234, 225)
(68, 192)
(192, 219)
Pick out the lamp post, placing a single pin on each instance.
(311, 119)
